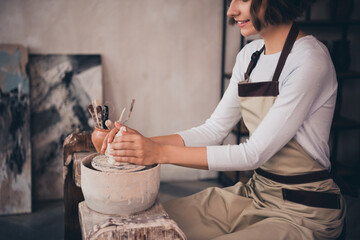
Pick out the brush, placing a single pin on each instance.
(109, 124)
(92, 113)
(98, 113)
(105, 115)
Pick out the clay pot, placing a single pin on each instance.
(97, 137)
(119, 193)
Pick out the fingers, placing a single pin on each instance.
(129, 137)
(118, 125)
(128, 130)
(110, 137)
(123, 142)
(104, 144)
(130, 147)
(122, 145)
(127, 146)
(123, 153)
(112, 134)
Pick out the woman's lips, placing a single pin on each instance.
(242, 23)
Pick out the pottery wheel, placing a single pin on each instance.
(102, 163)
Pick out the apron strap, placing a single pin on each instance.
(290, 40)
(254, 59)
(289, 43)
(295, 179)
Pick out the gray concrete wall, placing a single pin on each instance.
(164, 53)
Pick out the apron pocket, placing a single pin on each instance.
(312, 199)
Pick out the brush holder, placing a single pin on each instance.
(97, 137)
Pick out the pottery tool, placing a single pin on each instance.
(130, 111)
(105, 116)
(98, 114)
(95, 103)
(121, 115)
(92, 113)
(109, 124)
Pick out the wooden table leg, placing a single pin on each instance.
(75, 142)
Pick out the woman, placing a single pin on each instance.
(286, 87)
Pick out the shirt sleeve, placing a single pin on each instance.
(299, 92)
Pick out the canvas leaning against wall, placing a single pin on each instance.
(62, 86)
(15, 148)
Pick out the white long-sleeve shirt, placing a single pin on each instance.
(303, 109)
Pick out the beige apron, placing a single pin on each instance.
(290, 197)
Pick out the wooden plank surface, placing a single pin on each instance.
(151, 224)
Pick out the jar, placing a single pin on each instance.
(97, 137)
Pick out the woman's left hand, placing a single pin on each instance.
(134, 148)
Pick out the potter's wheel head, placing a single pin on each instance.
(104, 164)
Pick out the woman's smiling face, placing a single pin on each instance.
(240, 11)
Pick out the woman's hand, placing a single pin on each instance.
(134, 148)
(109, 137)
(131, 147)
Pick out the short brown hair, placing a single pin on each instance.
(278, 11)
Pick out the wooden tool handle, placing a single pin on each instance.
(92, 113)
(98, 112)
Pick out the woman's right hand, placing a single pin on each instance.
(109, 137)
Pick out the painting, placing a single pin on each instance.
(15, 142)
(61, 86)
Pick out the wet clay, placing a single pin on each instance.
(102, 163)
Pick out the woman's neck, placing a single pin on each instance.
(275, 37)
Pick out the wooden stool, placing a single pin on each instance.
(151, 224)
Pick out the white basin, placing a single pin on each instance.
(119, 193)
